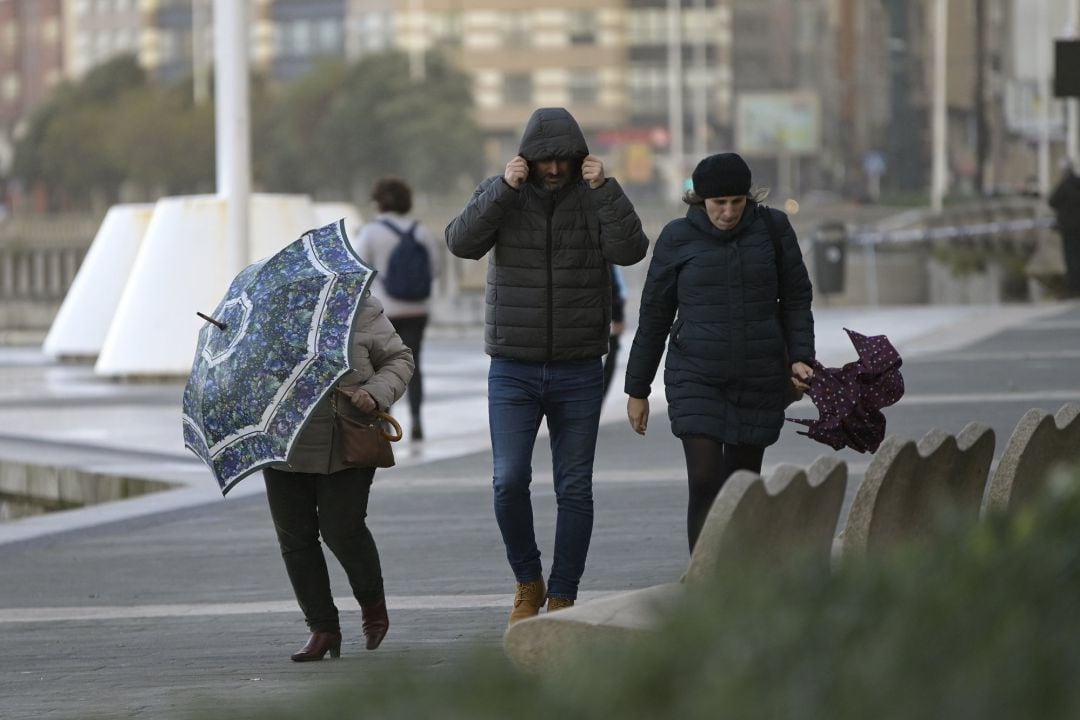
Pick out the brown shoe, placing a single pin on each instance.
(558, 603)
(318, 645)
(528, 600)
(375, 623)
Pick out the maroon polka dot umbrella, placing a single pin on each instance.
(849, 399)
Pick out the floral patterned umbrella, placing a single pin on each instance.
(276, 344)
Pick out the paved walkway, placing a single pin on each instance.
(142, 607)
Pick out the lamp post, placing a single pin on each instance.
(675, 94)
(232, 123)
(939, 169)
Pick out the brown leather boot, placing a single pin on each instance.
(318, 645)
(376, 623)
(528, 600)
(558, 603)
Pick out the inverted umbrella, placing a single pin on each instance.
(275, 345)
(849, 399)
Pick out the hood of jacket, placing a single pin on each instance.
(553, 133)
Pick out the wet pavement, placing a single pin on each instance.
(144, 607)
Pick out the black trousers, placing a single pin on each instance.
(709, 463)
(411, 329)
(305, 506)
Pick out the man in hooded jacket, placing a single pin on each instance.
(550, 224)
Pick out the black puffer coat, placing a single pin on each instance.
(548, 286)
(714, 293)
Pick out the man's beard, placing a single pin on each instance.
(557, 183)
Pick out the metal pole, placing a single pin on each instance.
(675, 95)
(416, 47)
(701, 89)
(938, 178)
(199, 64)
(1043, 52)
(1072, 132)
(233, 125)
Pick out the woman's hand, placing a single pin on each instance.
(361, 400)
(801, 375)
(637, 409)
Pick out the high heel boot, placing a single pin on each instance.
(318, 645)
(376, 623)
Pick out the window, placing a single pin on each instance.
(582, 27)
(584, 86)
(515, 29)
(648, 89)
(330, 38)
(517, 88)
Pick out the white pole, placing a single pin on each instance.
(233, 125)
(1043, 52)
(701, 89)
(675, 95)
(416, 47)
(1072, 137)
(939, 169)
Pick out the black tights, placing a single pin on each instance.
(709, 463)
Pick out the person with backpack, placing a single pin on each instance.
(549, 225)
(728, 292)
(407, 257)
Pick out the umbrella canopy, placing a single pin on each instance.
(849, 399)
(275, 345)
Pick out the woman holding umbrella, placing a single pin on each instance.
(740, 326)
(316, 493)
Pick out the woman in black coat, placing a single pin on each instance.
(738, 325)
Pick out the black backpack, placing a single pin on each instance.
(408, 273)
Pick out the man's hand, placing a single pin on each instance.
(592, 171)
(516, 173)
(617, 328)
(637, 410)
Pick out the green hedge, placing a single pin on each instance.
(982, 623)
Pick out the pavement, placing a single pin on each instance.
(154, 606)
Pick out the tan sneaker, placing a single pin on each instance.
(528, 600)
(558, 603)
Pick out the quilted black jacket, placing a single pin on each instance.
(548, 286)
(712, 296)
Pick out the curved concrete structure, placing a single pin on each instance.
(1039, 442)
(80, 326)
(181, 268)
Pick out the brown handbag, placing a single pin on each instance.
(365, 441)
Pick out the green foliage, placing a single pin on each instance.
(329, 134)
(974, 624)
(339, 128)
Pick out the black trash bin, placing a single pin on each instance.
(830, 256)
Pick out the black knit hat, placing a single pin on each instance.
(721, 175)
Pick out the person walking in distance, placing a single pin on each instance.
(618, 324)
(1065, 200)
(550, 224)
(408, 259)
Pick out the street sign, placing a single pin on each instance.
(1067, 68)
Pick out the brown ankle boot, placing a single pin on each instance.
(559, 603)
(318, 645)
(376, 623)
(528, 600)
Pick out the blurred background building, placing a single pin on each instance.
(827, 95)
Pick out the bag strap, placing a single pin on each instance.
(770, 225)
(402, 234)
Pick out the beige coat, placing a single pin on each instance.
(381, 365)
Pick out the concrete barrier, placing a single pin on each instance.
(1039, 443)
(27, 489)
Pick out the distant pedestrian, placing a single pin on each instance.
(408, 258)
(618, 324)
(1065, 200)
(317, 495)
(550, 224)
(712, 295)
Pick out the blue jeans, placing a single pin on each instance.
(569, 393)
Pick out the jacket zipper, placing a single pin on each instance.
(550, 286)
